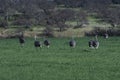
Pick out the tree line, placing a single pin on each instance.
(55, 13)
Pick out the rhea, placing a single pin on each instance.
(21, 39)
(94, 43)
(47, 43)
(91, 43)
(105, 35)
(72, 43)
(36, 42)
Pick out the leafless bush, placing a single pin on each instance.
(48, 32)
(101, 32)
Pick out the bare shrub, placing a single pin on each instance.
(101, 32)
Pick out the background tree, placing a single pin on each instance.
(110, 15)
(61, 17)
(116, 1)
(5, 8)
(81, 18)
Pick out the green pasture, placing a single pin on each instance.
(60, 62)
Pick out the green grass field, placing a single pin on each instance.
(60, 62)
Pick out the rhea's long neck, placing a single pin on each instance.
(35, 37)
(96, 38)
